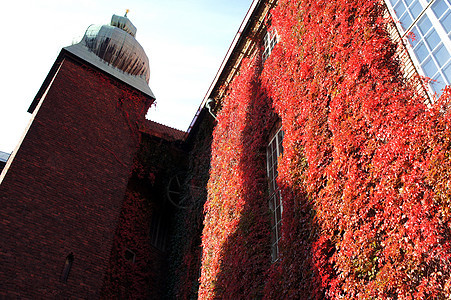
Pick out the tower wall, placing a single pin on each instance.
(63, 191)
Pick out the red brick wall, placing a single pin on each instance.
(64, 189)
(145, 202)
(144, 277)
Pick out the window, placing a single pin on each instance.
(269, 41)
(158, 231)
(67, 267)
(273, 152)
(130, 256)
(426, 23)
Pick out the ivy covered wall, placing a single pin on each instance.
(185, 254)
(138, 266)
(364, 174)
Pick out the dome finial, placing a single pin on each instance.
(126, 12)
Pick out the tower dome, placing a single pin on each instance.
(116, 45)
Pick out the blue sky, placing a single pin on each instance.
(185, 41)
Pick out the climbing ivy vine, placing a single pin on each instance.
(364, 175)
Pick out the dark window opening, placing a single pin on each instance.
(158, 232)
(67, 267)
(130, 255)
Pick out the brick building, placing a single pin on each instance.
(62, 191)
(98, 202)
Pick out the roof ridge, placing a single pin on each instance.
(173, 128)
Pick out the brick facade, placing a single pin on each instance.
(146, 220)
(65, 187)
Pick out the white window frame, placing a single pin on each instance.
(273, 151)
(426, 10)
(270, 40)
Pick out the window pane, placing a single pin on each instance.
(438, 84)
(447, 72)
(273, 41)
(416, 9)
(271, 203)
(279, 235)
(441, 55)
(429, 67)
(268, 160)
(439, 7)
(446, 22)
(273, 233)
(406, 20)
(280, 138)
(421, 51)
(432, 39)
(400, 9)
(279, 214)
(424, 24)
(268, 155)
(274, 253)
(415, 38)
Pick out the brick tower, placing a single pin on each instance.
(62, 189)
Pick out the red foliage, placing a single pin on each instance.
(133, 279)
(236, 232)
(364, 175)
(145, 277)
(185, 256)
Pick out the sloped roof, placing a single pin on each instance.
(163, 131)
